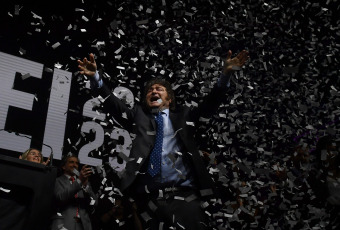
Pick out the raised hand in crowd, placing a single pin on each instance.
(88, 67)
(235, 63)
(84, 174)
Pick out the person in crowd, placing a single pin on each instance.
(34, 155)
(324, 157)
(165, 175)
(119, 214)
(328, 166)
(113, 211)
(74, 197)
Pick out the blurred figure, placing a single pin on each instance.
(299, 166)
(118, 215)
(324, 161)
(333, 182)
(74, 196)
(325, 179)
(325, 152)
(34, 155)
(333, 199)
(300, 157)
(114, 210)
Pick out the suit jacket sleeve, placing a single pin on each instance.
(210, 103)
(117, 108)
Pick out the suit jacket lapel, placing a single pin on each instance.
(67, 182)
(152, 121)
(175, 119)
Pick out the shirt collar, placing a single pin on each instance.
(166, 111)
(68, 176)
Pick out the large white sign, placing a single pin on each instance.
(55, 116)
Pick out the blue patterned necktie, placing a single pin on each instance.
(156, 154)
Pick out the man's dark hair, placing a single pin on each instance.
(324, 142)
(166, 84)
(66, 157)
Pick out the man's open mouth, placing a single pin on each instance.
(152, 99)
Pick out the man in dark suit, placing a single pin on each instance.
(165, 175)
(74, 196)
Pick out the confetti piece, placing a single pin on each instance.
(145, 216)
(76, 172)
(56, 45)
(5, 190)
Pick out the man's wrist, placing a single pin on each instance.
(224, 80)
(96, 81)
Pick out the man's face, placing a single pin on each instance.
(71, 163)
(34, 156)
(157, 97)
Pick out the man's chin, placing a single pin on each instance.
(70, 174)
(157, 107)
(154, 106)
